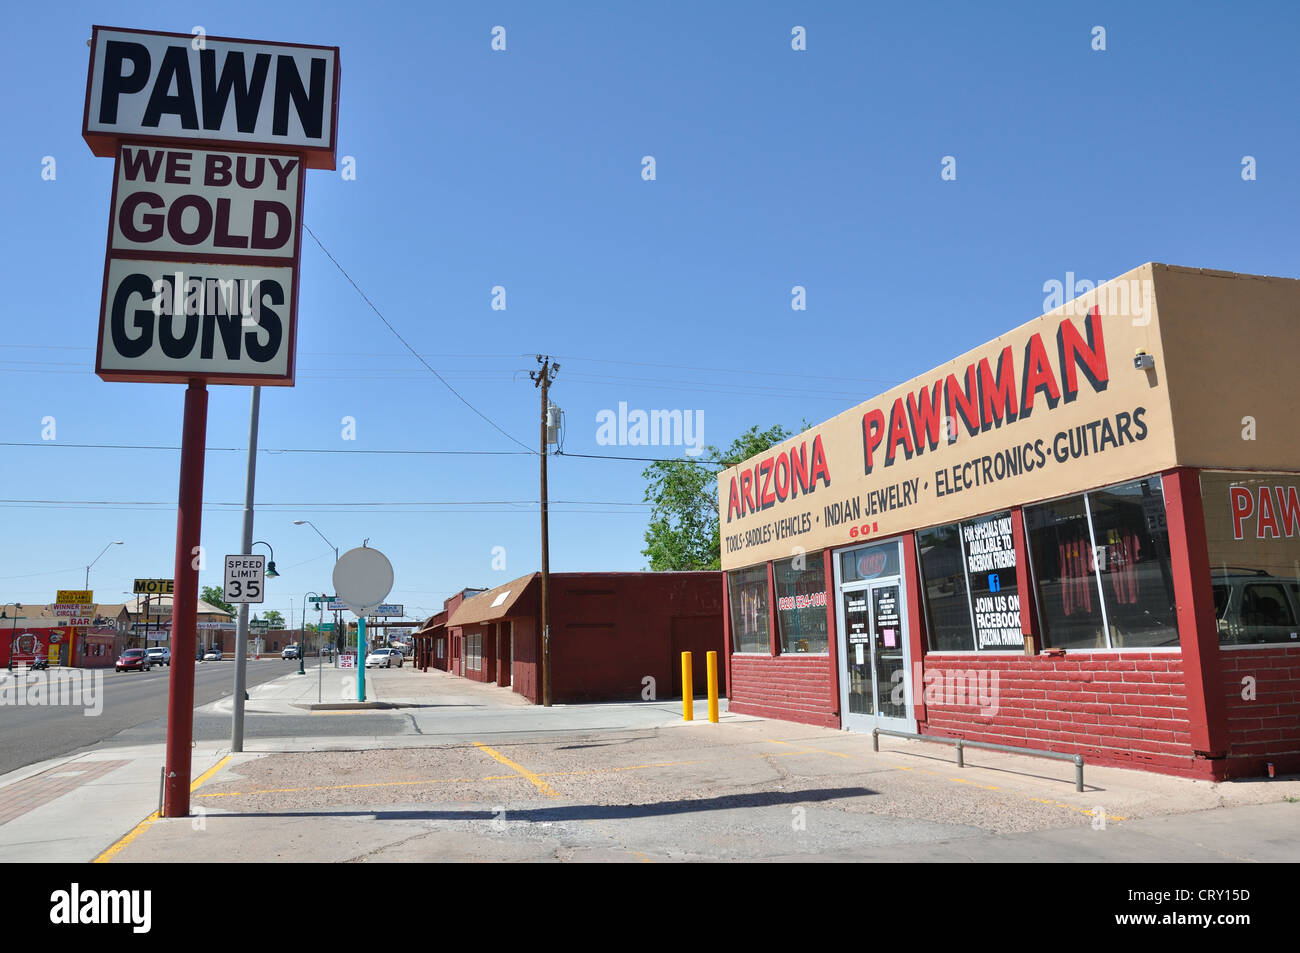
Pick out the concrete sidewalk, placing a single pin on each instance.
(469, 771)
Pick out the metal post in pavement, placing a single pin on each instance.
(361, 658)
(246, 546)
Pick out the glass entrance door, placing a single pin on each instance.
(856, 627)
(888, 651)
(872, 648)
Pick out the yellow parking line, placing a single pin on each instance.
(139, 829)
(804, 750)
(208, 773)
(144, 825)
(536, 781)
(344, 787)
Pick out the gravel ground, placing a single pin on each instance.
(744, 790)
(670, 770)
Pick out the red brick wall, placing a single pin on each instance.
(610, 630)
(789, 687)
(1125, 709)
(1268, 727)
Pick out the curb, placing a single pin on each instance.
(346, 706)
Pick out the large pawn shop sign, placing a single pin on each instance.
(201, 270)
(211, 137)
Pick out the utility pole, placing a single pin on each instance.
(542, 378)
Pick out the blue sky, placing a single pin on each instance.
(522, 169)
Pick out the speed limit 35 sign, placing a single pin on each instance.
(245, 579)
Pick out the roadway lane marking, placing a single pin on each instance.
(534, 779)
(147, 823)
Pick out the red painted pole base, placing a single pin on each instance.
(185, 603)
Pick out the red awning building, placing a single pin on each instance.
(614, 636)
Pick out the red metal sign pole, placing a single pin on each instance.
(180, 699)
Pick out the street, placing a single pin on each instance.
(134, 710)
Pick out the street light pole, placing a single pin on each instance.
(337, 620)
(302, 643)
(116, 542)
(246, 546)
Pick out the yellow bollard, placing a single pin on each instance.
(712, 659)
(688, 689)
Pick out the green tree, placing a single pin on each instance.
(683, 494)
(275, 618)
(212, 595)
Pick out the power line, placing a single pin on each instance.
(51, 572)
(732, 370)
(272, 450)
(325, 503)
(478, 511)
(610, 456)
(594, 360)
(413, 351)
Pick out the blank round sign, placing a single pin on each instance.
(363, 578)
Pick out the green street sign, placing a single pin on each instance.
(319, 599)
(327, 627)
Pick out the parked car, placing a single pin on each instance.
(1253, 607)
(290, 651)
(212, 655)
(384, 657)
(137, 659)
(160, 656)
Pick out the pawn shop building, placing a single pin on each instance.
(1083, 537)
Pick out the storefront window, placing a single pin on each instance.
(474, 651)
(749, 610)
(969, 573)
(1252, 523)
(801, 603)
(1128, 524)
(1101, 564)
(944, 582)
(1061, 550)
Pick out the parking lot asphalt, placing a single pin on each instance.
(469, 773)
